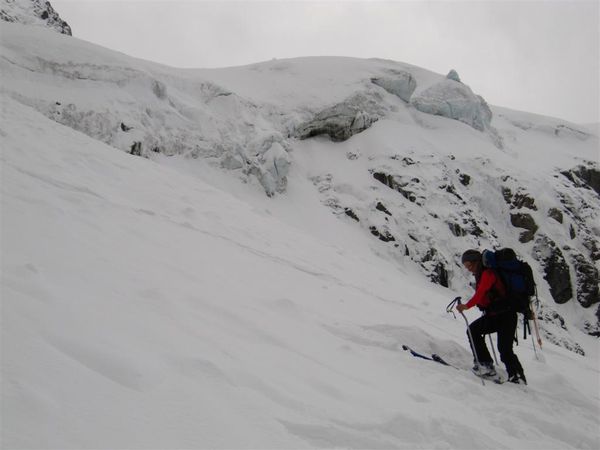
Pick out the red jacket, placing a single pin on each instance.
(489, 288)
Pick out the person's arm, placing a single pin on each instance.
(485, 284)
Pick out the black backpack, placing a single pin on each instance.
(516, 275)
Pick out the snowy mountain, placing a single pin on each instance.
(166, 301)
(33, 12)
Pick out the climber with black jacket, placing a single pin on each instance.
(498, 317)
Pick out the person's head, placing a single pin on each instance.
(471, 259)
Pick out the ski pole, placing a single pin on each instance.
(472, 343)
(493, 349)
(534, 350)
(456, 301)
(537, 330)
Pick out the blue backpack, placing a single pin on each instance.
(516, 276)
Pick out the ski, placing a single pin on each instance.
(497, 379)
(433, 357)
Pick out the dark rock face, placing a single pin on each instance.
(593, 329)
(518, 200)
(584, 176)
(381, 207)
(384, 235)
(556, 214)
(435, 267)
(351, 214)
(524, 220)
(587, 281)
(556, 270)
(399, 185)
(465, 179)
(136, 149)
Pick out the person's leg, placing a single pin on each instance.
(479, 328)
(506, 332)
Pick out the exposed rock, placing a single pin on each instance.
(450, 189)
(136, 149)
(464, 179)
(591, 244)
(572, 233)
(584, 176)
(586, 281)
(436, 267)
(454, 100)
(556, 214)
(453, 75)
(398, 185)
(402, 84)
(380, 207)
(456, 229)
(351, 214)
(556, 270)
(518, 200)
(33, 12)
(507, 194)
(524, 220)
(342, 121)
(384, 235)
(593, 329)
(524, 200)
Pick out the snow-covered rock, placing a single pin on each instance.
(453, 75)
(33, 12)
(400, 83)
(344, 120)
(455, 100)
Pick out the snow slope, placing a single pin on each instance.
(167, 302)
(142, 307)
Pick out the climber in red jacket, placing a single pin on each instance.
(498, 317)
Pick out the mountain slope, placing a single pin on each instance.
(143, 307)
(166, 301)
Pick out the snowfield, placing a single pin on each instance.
(142, 307)
(165, 301)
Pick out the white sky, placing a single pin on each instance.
(537, 56)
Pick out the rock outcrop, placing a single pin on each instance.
(342, 121)
(556, 269)
(586, 176)
(33, 12)
(587, 281)
(524, 220)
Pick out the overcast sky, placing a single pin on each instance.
(537, 56)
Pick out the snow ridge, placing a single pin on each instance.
(33, 12)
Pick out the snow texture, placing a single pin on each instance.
(165, 301)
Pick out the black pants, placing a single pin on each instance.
(505, 325)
